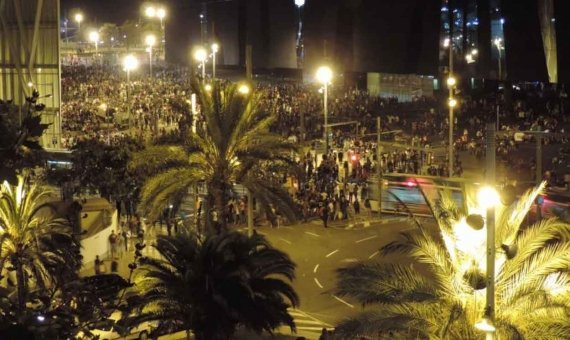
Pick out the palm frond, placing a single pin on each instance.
(370, 283)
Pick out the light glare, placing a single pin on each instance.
(93, 36)
(130, 62)
(324, 74)
(243, 89)
(200, 54)
(487, 197)
(150, 12)
(150, 40)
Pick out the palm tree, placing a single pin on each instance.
(35, 244)
(213, 286)
(235, 146)
(431, 282)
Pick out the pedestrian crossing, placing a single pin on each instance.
(307, 325)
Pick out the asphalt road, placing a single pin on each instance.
(318, 252)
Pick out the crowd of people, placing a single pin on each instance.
(95, 106)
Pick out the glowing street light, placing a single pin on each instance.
(498, 42)
(161, 14)
(215, 49)
(150, 41)
(94, 38)
(150, 12)
(452, 102)
(130, 63)
(299, 3)
(78, 19)
(324, 76)
(487, 197)
(244, 89)
(201, 55)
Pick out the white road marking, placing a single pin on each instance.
(318, 283)
(284, 240)
(342, 301)
(332, 253)
(367, 238)
(373, 254)
(312, 234)
(349, 260)
(316, 267)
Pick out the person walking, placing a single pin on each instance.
(325, 214)
(113, 243)
(98, 265)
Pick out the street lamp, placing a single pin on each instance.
(201, 55)
(488, 198)
(300, 3)
(150, 41)
(150, 12)
(215, 49)
(498, 43)
(452, 103)
(324, 76)
(130, 63)
(78, 19)
(94, 38)
(161, 14)
(244, 89)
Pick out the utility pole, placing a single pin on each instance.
(490, 221)
(379, 165)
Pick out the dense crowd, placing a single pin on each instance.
(95, 106)
(95, 102)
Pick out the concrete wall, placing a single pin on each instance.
(97, 244)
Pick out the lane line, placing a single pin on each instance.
(374, 254)
(316, 267)
(332, 253)
(367, 238)
(312, 234)
(342, 301)
(318, 283)
(284, 240)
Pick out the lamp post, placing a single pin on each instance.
(244, 89)
(130, 63)
(324, 76)
(488, 198)
(451, 103)
(78, 19)
(161, 14)
(94, 38)
(215, 49)
(498, 43)
(150, 41)
(201, 55)
(150, 12)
